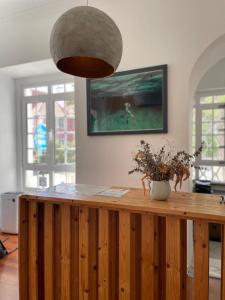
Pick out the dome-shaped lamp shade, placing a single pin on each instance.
(86, 42)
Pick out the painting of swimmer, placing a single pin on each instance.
(128, 102)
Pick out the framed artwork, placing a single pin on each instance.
(129, 102)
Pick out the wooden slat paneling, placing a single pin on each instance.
(161, 240)
(57, 252)
(223, 264)
(48, 252)
(40, 249)
(83, 254)
(173, 258)
(201, 260)
(33, 255)
(149, 282)
(74, 253)
(65, 251)
(103, 255)
(183, 238)
(124, 255)
(93, 254)
(23, 253)
(114, 255)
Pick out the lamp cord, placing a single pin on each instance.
(87, 3)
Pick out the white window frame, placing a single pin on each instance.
(198, 123)
(49, 99)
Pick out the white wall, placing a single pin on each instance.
(154, 32)
(214, 78)
(8, 180)
(7, 135)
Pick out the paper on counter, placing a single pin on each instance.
(113, 192)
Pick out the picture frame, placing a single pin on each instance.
(128, 102)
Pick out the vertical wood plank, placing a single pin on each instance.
(135, 256)
(103, 255)
(173, 258)
(183, 238)
(33, 253)
(124, 255)
(114, 255)
(48, 252)
(40, 249)
(23, 246)
(160, 236)
(201, 260)
(57, 252)
(65, 252)
(74, 253)
(149, 281)
(223, 264)
(83, 254)
(93, 254)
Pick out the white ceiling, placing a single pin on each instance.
(30, 69)
(10, 8)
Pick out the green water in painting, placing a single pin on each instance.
(143, 119)
(131, 102)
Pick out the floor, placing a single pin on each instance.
(9, 274)
(9, 270)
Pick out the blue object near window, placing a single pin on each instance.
(40, 138)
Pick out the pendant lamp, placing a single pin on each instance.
(86, 42)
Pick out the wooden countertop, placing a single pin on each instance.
(187, 205)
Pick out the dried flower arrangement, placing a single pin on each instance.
(162, 165)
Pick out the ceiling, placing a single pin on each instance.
(10, 8)
(30, 69)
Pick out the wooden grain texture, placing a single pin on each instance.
(103, 255)
(93, 254)
(173, 258)
(33, 253)
(183, 238)
(160, 237)
(65, 252)
(185, 205)
(148, 258)
(48, 252)
(23, 253)
(223, 264)
(201, 260)
(114, 255)
(74, 253)
(40, 249)
(83, 254)
(124, 255)
(57, 252)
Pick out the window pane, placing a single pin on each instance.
(36, 133)
(36, 109)
(218, 140)
(218, 127)
(71, 156)
(218, 114)
(36, 179)
(64, 177)
(219, 99)
(208, 140)
(60, 156)
(218, 174)
(69, 87)
(218, 154)
(58, 88)
(207, 115)
(64, 132)
(205, 173)
(207, 128)
(207, 153)
(206, 100)
(36, 91)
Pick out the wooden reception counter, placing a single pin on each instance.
(94, 247)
